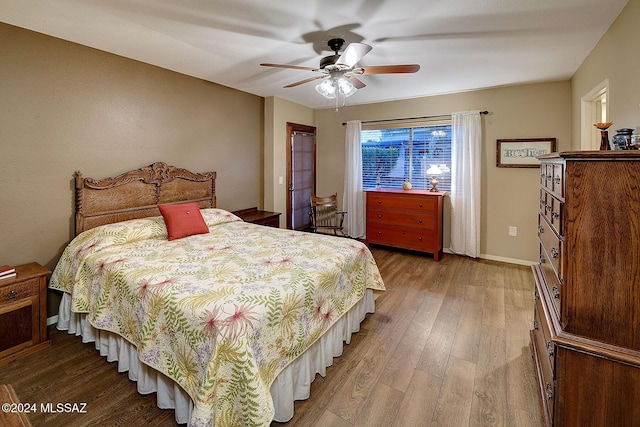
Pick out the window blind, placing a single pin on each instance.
(395, 153)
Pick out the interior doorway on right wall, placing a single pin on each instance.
(594, 109)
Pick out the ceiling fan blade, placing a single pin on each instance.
(353, 54)
(310, 79)
(388, 69)
(355, 82)
(294, 67)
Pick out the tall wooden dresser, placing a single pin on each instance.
(586, 336)
(408, 219)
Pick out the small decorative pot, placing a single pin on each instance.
(622, 139)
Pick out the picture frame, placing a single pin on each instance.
(523, 153)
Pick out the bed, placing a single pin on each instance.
(228, 325)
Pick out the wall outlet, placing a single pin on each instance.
(513, 231)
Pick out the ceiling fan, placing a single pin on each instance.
(339, 70)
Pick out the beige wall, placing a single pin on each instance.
(509, 195)
(65, 107)
(616, 58)
(278, 112)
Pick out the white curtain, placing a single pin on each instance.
(466, 141)
(352, 199)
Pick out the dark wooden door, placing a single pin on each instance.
(301, 174)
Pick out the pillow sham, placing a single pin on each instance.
(183, 220)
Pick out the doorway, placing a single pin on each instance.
(301, 174)
(594, 109)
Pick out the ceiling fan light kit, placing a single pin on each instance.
(336, 85)
(339, 70)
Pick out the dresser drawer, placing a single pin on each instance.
(555, 214)
(551, 243)
(543, 368)
(424, 220)
(546, 346)
(20, 290)
(402, 237)
(551, 282)
(552, 209)
(552, 178)
(558, 180)
(546, 176)
(413, 203)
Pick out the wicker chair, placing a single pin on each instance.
(325, 217)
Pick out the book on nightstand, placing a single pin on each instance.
(6, 272)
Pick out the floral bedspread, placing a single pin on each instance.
(220, 313)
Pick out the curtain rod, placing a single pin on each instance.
(411, 118)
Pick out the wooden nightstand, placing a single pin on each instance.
(23, 312)
(272, 219)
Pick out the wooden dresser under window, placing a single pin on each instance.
(586, 335)
(408, 219)
(23, 312)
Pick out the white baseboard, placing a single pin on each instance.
(508, 260)
(499, 258)
(52, 320)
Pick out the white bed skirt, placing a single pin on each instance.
(293, 383)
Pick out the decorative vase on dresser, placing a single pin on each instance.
(408, 219)
(586, 335)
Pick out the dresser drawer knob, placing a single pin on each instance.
(379, 202)
(542, 260)
(420, 221)
(420, 205)
(536, 295)
(556, 292)
(549, 177)
(550, 348)
(12, 294)
(535, 324)
(547, 208)
(549, 391)
(554, 252)
(379, 233)
(379, 215)
(555, 215)
(557, 180)
(420, 238)
(540, 229)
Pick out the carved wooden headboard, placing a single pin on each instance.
(135, 194)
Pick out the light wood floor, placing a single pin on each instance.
(447, 346)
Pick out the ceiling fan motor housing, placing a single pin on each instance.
(328, 60)
(335, 45)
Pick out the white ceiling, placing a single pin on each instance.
(460, 44)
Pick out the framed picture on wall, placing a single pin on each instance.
(523, 153)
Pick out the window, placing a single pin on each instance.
(391, 156)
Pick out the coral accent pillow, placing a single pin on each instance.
(183, 220)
